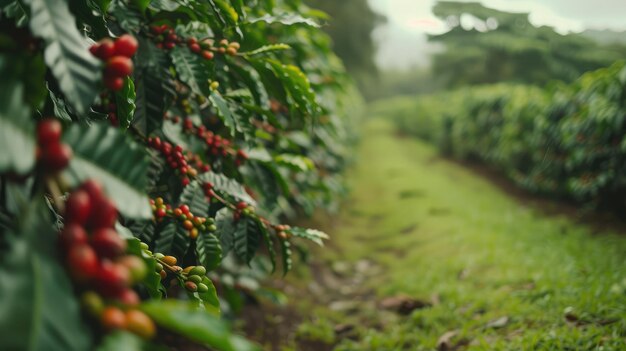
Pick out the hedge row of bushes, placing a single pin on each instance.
(565, 141)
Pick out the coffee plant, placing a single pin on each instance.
(151, 153)
(566, 140)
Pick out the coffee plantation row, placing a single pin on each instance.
(565, 141)
(151, 153)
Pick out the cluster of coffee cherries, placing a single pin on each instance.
(176, 159)
(242, 209)
(228, 48)
(192, 275)
(282, 231)
(96, 259)
(193, 224)
(109, 107)
(201, 48)
(52, 154)
(165, 36)
(117, 58)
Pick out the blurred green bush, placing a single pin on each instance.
(566, 141)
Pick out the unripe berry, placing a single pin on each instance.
(113, 318)
(92, 302)
(195, 278)
(128, 297)
(140, 324)
(72, 235)
(169, 260)
(82, 262)
(198, 270)
(78, 207)
(231, 51)
(136, 267)
(108, 243)
(191, 286)
(126, 45)
(118, 66)
(48, 132)
(202, 288)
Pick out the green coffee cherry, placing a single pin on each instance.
(159, 256)
(202, 288)
(195, 278)
(198, 270)
(158, 267)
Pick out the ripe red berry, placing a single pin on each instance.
(82, 262)
(128, 297)
(208, 55)
(56, 156)
(105, 216)
(242, 205)
(108, 243)
(113, 318)
(105, 49)
(126, 45)
(112, 278)
(78, 207)
(48, 132)
(118, 66)
(114, 83)
(184, 208)
(72, 235)
(195, 47)
(94, 189)
(170, 45)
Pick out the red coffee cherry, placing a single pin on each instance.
(82, 262)
(118, 66)
(78, 207)
(129, 297)
(112, 279)
(108, 243)
(208, 55)
(104, 50)
(94, 189)
(56, 156)
(104, 214)
(126, 45)
(48, 132)
(73, 235)
(113, 83)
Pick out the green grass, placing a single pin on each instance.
(438, 229)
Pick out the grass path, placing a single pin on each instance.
(503, 276)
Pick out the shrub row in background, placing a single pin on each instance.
(149, 152)
(566, 141)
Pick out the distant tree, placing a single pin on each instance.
(350, 26)
(486, 45)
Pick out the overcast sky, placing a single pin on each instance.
(409, 20)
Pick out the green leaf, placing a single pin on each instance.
(153, 97)
(210, 297)
(295, 162)
(313, 235)
(121, 341)
(246, 239)
(226, 186)
(286, 18)
(196, 324)
(172, 240)
(120, 164)
(267, 48)
(269, 243)
(17, 130)
(194, 197)
(297, 86)
(125, 101)
(39, 310)
(191, 69)
(285, 248)
(224, 112)
(225, 229)
(66, 54)
(209, 250)
(253, 81)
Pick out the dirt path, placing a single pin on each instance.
(428, 255)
